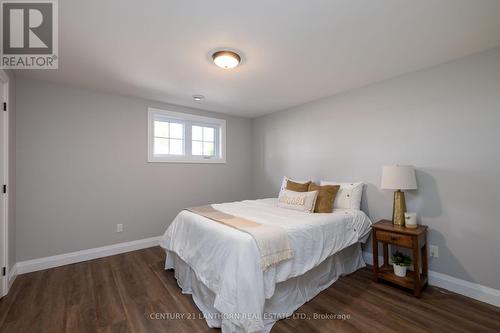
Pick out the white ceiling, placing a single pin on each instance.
(293, 51)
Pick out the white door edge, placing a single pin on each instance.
(4, 177)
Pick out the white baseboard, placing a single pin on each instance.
(459, 286)
(84, 255)
(466, 288)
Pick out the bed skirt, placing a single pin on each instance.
(289, 295)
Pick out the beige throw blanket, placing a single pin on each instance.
(272, 241)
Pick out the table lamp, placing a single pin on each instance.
(398, 178)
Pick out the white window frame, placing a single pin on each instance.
(188, 120)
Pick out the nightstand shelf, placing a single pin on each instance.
(416, 240)
(387, 273)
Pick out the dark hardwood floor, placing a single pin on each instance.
(119, 294)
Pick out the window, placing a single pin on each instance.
(203, 140)
(168, 138)
(180, 137)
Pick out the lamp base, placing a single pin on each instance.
(399, 208)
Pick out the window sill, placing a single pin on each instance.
(214, 161)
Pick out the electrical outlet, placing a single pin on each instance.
(434, 249)
(119, 227)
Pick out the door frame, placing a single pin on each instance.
(4, 179)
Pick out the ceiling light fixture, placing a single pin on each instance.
(198, 97)
(226, 59)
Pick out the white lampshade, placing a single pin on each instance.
(399, 177)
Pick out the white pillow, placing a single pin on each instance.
(285, 179)
(301, 201)
(348, 196)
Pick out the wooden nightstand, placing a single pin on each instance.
(416, 239)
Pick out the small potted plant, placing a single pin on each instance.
(400, 263)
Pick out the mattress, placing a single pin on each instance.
(226, 260)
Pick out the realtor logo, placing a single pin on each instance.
(29, 37)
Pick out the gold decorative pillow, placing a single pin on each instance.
(326, 196)
(297, 187)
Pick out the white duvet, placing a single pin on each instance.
(226, 260)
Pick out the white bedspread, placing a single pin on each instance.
(226, 260)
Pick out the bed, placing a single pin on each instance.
(219, 265)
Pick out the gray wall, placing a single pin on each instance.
(82, 168)
(444, 120)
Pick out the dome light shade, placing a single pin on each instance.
(226, 59)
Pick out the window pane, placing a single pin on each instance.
(176, 131)
(161, 128)
(197, 133)
(197, 148)
(208, 134)
(176, 147)
(160, 146)
(208, 149)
